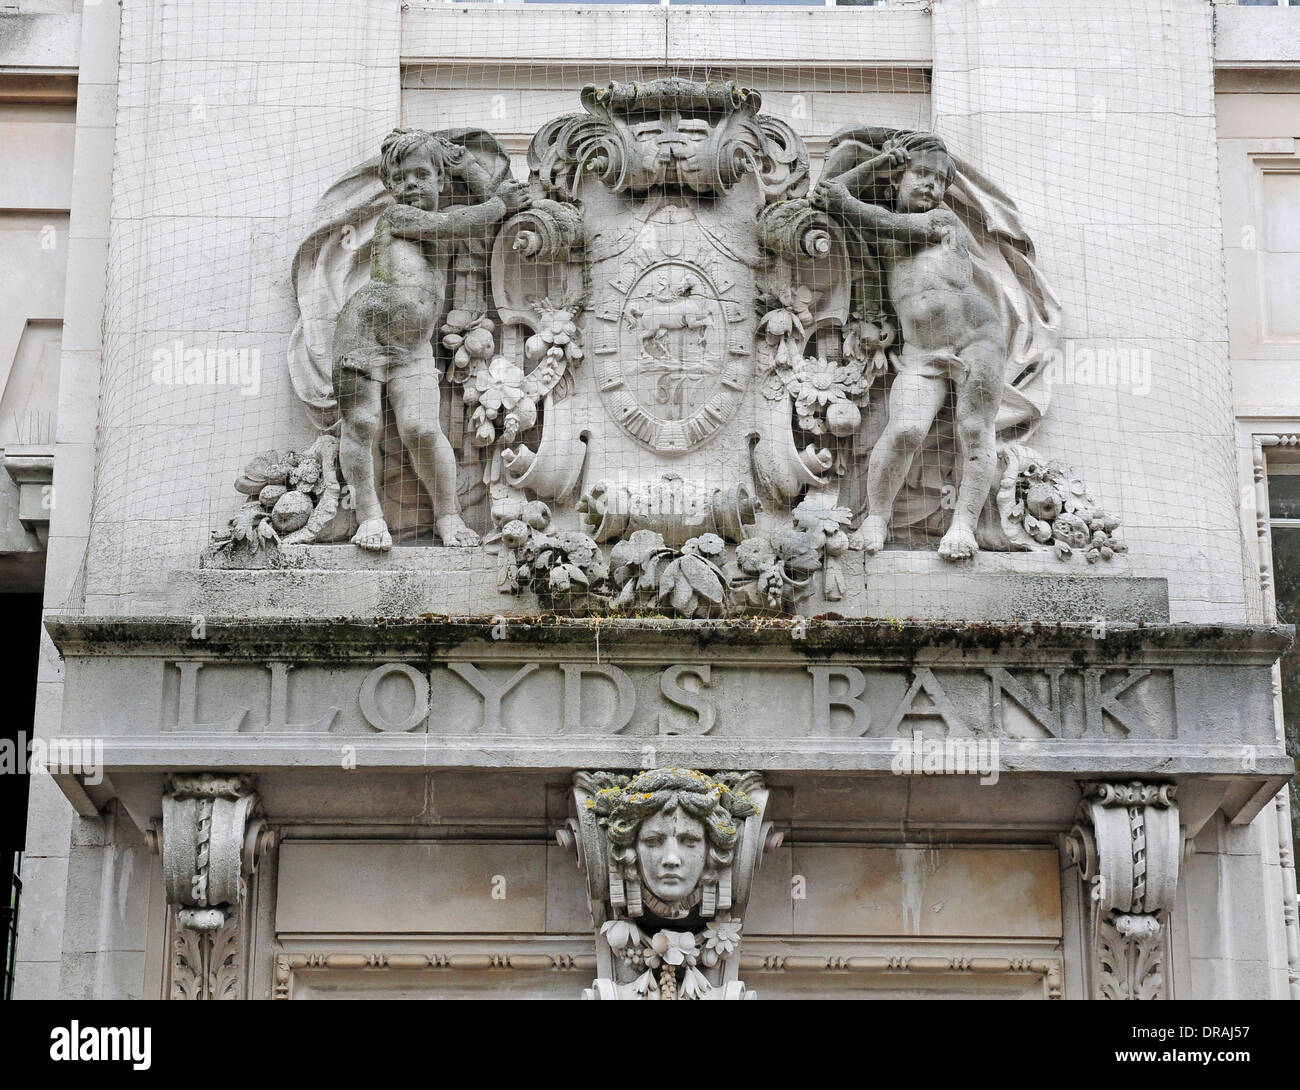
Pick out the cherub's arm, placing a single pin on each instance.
(477, 179)
(912, 228)
(864, 172)
(462, 164)
(452, 225)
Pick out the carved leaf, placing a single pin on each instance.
(627, 595)
(226, 958)
(187, 964)
(702, 578)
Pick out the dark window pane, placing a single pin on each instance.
(1284, 495)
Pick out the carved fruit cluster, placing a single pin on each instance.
(564, 569)
(470, 340)
(1055, 509)
(290, 496)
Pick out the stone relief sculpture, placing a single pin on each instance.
(668, 378)
(951, 335)
(669, 856)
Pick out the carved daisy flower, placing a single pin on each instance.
(816, 386)
(721, 940)
(709, 545)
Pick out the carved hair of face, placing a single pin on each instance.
(924, 180)
(411, 164)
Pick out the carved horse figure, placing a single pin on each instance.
(666, 310)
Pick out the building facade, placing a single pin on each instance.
(793, 501)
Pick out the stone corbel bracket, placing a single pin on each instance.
(1127, 843)
(647, 947)
(211, 840)
(33, 473)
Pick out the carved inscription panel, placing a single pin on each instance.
(671, 699)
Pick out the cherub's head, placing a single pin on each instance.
(411, 165)
(926, 176)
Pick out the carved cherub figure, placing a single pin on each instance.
(952, 337)
(384, 333)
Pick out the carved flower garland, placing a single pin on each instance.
(771, 571)
(828, 394)
(784, 326)
(671, 952)
(501, 405)
(502, 395)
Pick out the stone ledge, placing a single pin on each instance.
(415, 580)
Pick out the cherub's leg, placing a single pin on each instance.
(361, 409)
(914, 402)
(978, 397)
(414, 397)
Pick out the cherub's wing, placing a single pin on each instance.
(331, 263)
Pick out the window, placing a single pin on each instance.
(1284, 529)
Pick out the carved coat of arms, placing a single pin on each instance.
(670, 334)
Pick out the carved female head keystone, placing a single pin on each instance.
(671, 835)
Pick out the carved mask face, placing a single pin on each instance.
(670, 852)
(923, 183)
(672, 150)
(414, 181)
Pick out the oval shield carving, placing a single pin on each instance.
(670, 385)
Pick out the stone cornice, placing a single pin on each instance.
(348, 639)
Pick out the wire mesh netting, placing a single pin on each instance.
(675, 311)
